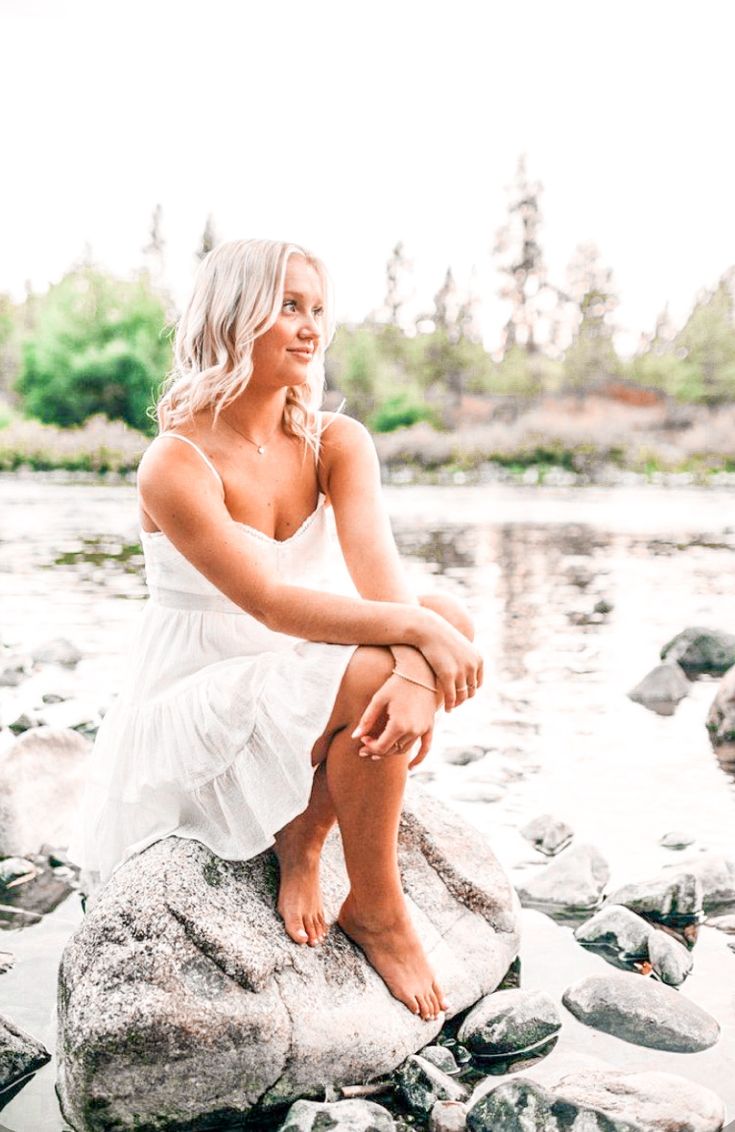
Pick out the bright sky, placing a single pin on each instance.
(348, 128)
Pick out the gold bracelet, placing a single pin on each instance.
(411, 680)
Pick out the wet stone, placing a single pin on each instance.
(641, 1011)
(14, 670)
(421, 1085)
(13, 869)
(442, 1058)
(677, 840)
(716, 876)
(338, 1116)
(448, 1116)
(701, 651)
(671, 961)
(664, 897)
(463, 756)
(721, 716)
(548, 834)
(7, 960)
(508, 1022)
(575, 879)
(24, 722)
(599, 1101)
(58, 651)
(616, 928)
(662, 689)
(20, 1054)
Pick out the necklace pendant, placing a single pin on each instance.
(261, 449)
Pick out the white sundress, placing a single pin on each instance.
(211, 735)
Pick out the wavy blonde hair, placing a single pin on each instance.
(237, 296)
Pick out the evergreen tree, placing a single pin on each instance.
(707, 344)
(591, 357)
(398, 286)
(154, 250)
(521, 262)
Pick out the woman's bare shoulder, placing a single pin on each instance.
(339, 432)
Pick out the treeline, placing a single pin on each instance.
(94, 344)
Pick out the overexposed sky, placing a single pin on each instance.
(347, 127)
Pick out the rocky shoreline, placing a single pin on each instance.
(481, 1070)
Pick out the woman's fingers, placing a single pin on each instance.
(393, 741)
(370, 716)
(423, 749)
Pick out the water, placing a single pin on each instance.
(531, 563)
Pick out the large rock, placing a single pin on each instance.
(20, 1054)
(701, 651)
(721, 716)
(182, 1000)
(641, 1011)
(421, 1084)
(599, 1101)
(41, 782)
(664, 897)
(715, 875)
(617, 929)
(662, 689)
(510, 1021)
(575, 879)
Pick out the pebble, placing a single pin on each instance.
(337, 1116)
(14, 671)
(575, 879)
(548, 834)
(509, 1021)
(700, 651)
(463, 756)
(641, 1011)
(442, 1058)
(478, 792)
(421, 1085)
(661, 689)
(58, 651)
(671, 961)
(677, 840)
(7, 960)
(617, 929)
(448, 1116)
(20, 1054)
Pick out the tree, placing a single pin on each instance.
(209, 238)
(97, 346)
(521, 262)
(154, 250)
(707, 344)
(398, 285)
(591, 355)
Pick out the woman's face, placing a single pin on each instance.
(282, 355)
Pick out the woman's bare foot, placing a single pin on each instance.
(393, 949)
(299, 892)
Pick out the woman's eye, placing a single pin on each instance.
(290, 304)
(318, 311)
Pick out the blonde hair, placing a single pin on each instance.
(237, 296)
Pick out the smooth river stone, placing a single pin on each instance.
(509, 1021)
(721, 716)
(671, 960)
(339, 1116)
(701, 651)
(421, 1085)
(662, 689)
(599, 1101)
(616, 928)
(642, 1011)
(575, 879)
(20, 1054)
(664, 896)
(548, 834)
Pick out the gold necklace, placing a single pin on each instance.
(260, 448)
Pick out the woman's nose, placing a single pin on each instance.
(310, 329)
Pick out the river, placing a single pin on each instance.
(531, 563)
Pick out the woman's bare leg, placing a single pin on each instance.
(369, 795)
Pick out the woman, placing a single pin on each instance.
(259, 706)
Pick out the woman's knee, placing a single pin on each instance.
(368, 670)
(452, 610)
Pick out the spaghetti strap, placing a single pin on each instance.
(207, 461)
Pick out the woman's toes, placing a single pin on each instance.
(295, 928)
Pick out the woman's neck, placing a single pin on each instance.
(257, 415)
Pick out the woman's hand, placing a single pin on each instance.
(397, 716)
(455, 661)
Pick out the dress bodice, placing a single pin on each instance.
(301, 559)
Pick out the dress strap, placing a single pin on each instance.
(207, 461)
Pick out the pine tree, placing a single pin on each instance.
(398, 287)
(591, 356)
(154, 250)
(521, 261)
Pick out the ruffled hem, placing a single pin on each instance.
(223, 758)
